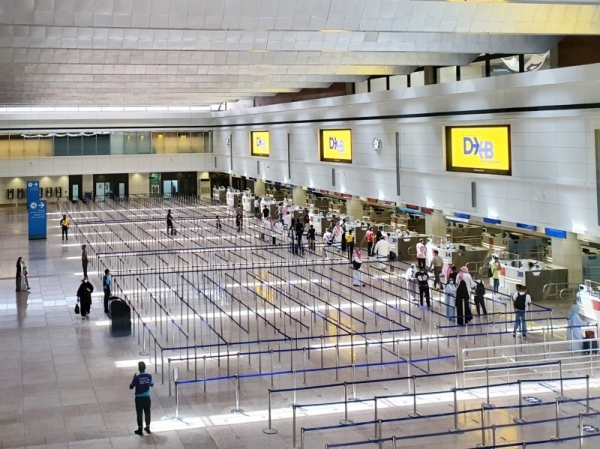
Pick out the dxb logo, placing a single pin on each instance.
(336, 144)
(484, 148)
(261, 143)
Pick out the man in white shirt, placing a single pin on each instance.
(421, 255)
(287, 221)
(521, 303)
(382, 251)
(256, 208)
(328, 242)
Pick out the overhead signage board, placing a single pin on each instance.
(478, 149)
(37, 220)
(260, 143)
(335, 145)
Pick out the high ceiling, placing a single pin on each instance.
(199, 52)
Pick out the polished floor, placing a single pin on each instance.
(64, 381)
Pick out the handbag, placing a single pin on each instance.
(76, 309)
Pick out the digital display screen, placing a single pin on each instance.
(336, 145)
(478, 149)
(260, 143)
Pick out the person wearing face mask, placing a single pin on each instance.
(84, 297)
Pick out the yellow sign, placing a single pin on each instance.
(260, 143)
(478, 149)
(336, 145)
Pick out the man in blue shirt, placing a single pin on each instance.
(142, 383)
(106, 283)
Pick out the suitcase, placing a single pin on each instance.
(586, 347)
(590, 334)
(173, 231)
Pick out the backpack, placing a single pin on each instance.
(392, 255)
(521, 301)
(480, 289)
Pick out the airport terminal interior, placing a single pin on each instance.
(325, 223)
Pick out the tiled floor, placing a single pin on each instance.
(64, 382)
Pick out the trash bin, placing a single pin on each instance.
(120, 317)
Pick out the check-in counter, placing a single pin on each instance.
(405, 243)
(416, 223)
(463, 255)
(531, 273)
(234, 197)
(465, 233)
(220, 195)
(515, 243)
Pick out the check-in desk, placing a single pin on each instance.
(220, 195)
(531, 273)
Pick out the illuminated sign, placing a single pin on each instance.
(336, 145)
(478, 149)
(260, 143)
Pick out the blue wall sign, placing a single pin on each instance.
(557, 233)
(37, 219)
(527, 227)
(492, 221)
(463, 216)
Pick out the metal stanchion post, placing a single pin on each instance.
(560, 372)
(587, 393)
(520, 419)
(176, 399)
(414, 413)
(482, 444)
(556, 415)
(345, 421)
(354, 382)
(237, 395)
(294, 407)
(487, 404)
(455, 429)
(269, 430)
(581, 430)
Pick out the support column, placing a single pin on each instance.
(259, 187)
(430, 75)
(354, 208)
(567, 253)
(435, 224)
(299, 196)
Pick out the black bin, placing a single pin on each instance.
(120, 318)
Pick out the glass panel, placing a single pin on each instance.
(378, 84)
(170, 143)
(144, 145)
(184, 144)
(417, 79)
(4, 146)
(103, 144)
(208, 142)
(31, 147)
(158, 143)
(473, 71)
(361, 88)
(197, 142)
(398, 82)
(130, 143)
(89, 145)
(46, 146)
(116, 143)
(61, 146)
(447, 74)
(75, 146)
(16, 146)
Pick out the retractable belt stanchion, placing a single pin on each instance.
(520, 419)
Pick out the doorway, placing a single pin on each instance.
(170, 188)
(75, 187)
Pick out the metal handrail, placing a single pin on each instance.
(553, 289)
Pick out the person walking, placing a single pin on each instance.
(422, 278)
(299, 234)
(421, 255)
(411, 282)
(463, 308)
(356, 264)
(84, 297)
(142, 383)
(350, 244)
(265, 212)
(84, 260)
(328, 242)
(219, 223)
(574, 329)
(311, 238)
(437, 264)
(18, 277)
(64, 225)
(382, 250)
(343, 240)
(370, 237)
(170, 222)
(24, 273)
(521, 302)
(480, 297)
(277, 231)
(495, 268)
(464, 275)
(106, 285)
(450, 300)
(256, 208)
(238, 222)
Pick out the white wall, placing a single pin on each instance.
(21, 183)
(553, 182)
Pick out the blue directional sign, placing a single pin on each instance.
(33, 192)
(37, 220)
